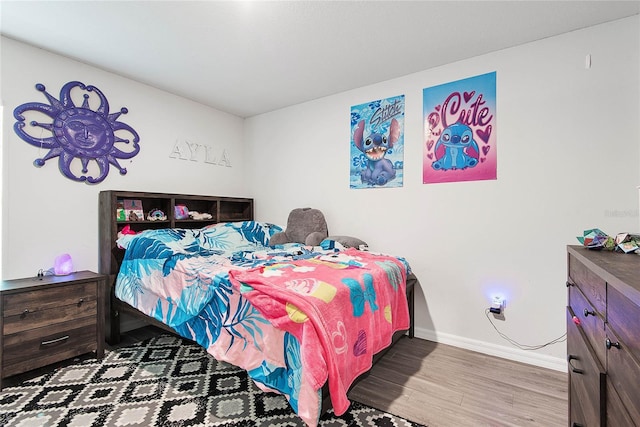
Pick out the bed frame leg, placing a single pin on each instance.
(112, 323)
(411, 290)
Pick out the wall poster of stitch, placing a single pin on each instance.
(377, 144)
(460, 130)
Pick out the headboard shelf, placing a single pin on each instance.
(221, 209)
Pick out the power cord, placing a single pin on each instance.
(41, 273)
(561, 338)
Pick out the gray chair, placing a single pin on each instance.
(304, 225)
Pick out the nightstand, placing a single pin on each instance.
(48, 319)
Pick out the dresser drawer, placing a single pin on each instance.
(25, 351)
(617, 414)
(591, 285)
(624, 319)
(591, 321)
(47, 298)
(623, 373)
(587, 379)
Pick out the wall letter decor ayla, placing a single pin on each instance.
(86, 140)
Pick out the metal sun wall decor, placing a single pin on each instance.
(77, 133)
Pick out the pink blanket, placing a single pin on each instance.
(342, 308)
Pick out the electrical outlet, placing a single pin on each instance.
(497, 305)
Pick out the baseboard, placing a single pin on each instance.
(531, 358)
(557, 364)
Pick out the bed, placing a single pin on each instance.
(303, 321)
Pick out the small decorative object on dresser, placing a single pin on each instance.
(48, 319)
(62, 265)
(603, 337)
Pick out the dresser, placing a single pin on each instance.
(603, 338)
(48, 319)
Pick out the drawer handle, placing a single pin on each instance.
(573, 368)
(25, 312)
(587, 312)
(569, 284)
(610, 344)
(80, 302)
(64, 338)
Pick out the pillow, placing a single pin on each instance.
(348, 241)
(164, 243)
(222, 238)
(244, 235)
(163, 235)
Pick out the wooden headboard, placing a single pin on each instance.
(221, 209)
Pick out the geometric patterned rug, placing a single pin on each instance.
(163, 381)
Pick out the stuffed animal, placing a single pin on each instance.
(199, 216)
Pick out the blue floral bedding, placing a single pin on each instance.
(181, 278)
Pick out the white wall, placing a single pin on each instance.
(568, 149)
(45, 213)
(568, 160)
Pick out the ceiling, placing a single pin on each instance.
(251, 57)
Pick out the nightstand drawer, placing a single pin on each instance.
(38, 347)
(48, 298)
(45, 318)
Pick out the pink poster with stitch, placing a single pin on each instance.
(460, 131)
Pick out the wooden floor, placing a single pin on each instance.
(440, 385)
(443, 386)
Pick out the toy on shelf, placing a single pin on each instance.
(199, 216)
(156, 215)
(181, 212)
(133, 210)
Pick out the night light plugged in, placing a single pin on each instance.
(497, 305)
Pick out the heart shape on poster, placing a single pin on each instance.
(468, 95)
(430, 156)
(485, 134)
(486, 149)
(429, 145)
(438, 107)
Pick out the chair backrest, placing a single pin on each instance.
(304, 221)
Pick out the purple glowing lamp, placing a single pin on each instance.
(63, 265)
